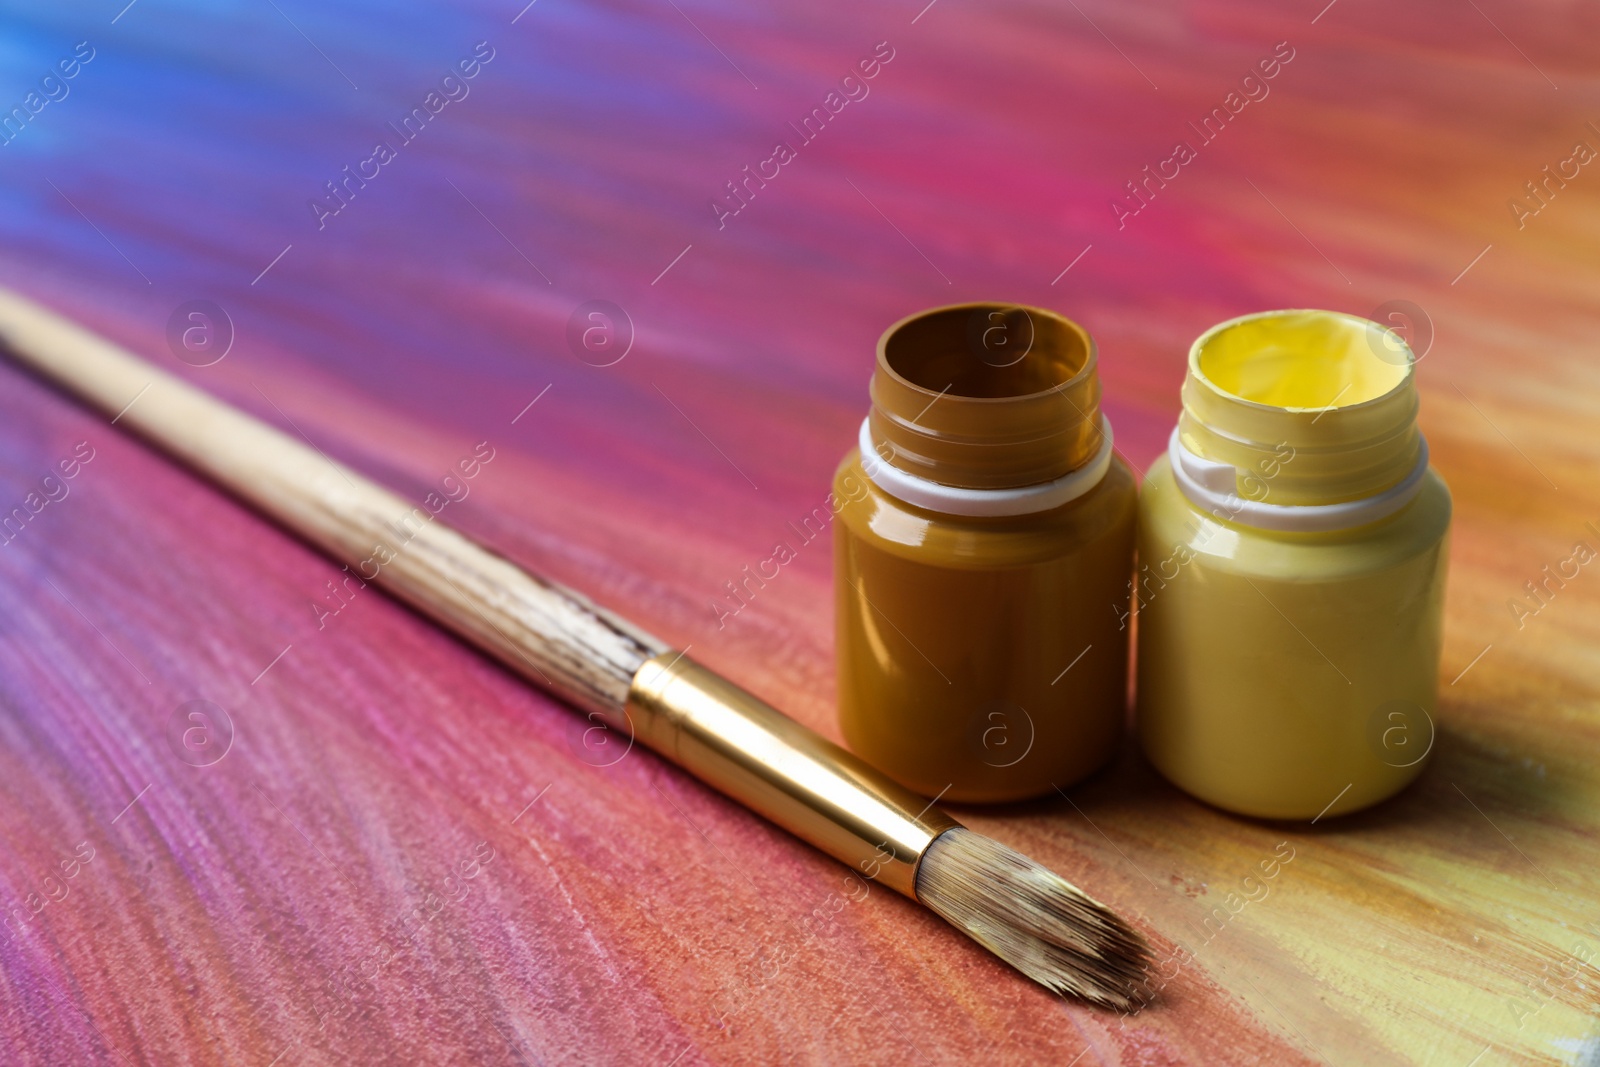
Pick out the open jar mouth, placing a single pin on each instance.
(986, 396)
(1302, 360)
(1323, 402)
(986, 351)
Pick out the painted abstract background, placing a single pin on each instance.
(395, 224)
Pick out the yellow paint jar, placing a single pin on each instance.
(984, 529)
(1292, 545)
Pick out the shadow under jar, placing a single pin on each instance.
(982, 555)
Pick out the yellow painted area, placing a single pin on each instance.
(1309, 359)
(1287, 676)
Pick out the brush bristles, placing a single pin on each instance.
(1034, 919)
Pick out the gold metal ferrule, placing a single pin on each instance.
(819, 792)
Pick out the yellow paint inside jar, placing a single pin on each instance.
(1292, 672)
(1302, 359)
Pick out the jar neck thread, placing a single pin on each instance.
(1214, 488)
(952, 500)
(1305, 408)
(986, 397)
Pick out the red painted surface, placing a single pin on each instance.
(352, 882)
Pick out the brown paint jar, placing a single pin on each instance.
(983, 544)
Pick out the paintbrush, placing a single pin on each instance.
(631, 681)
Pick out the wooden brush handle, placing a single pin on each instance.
(550, 634)
(727, 737)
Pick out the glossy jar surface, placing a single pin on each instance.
(1293, 673)
(984, 657)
